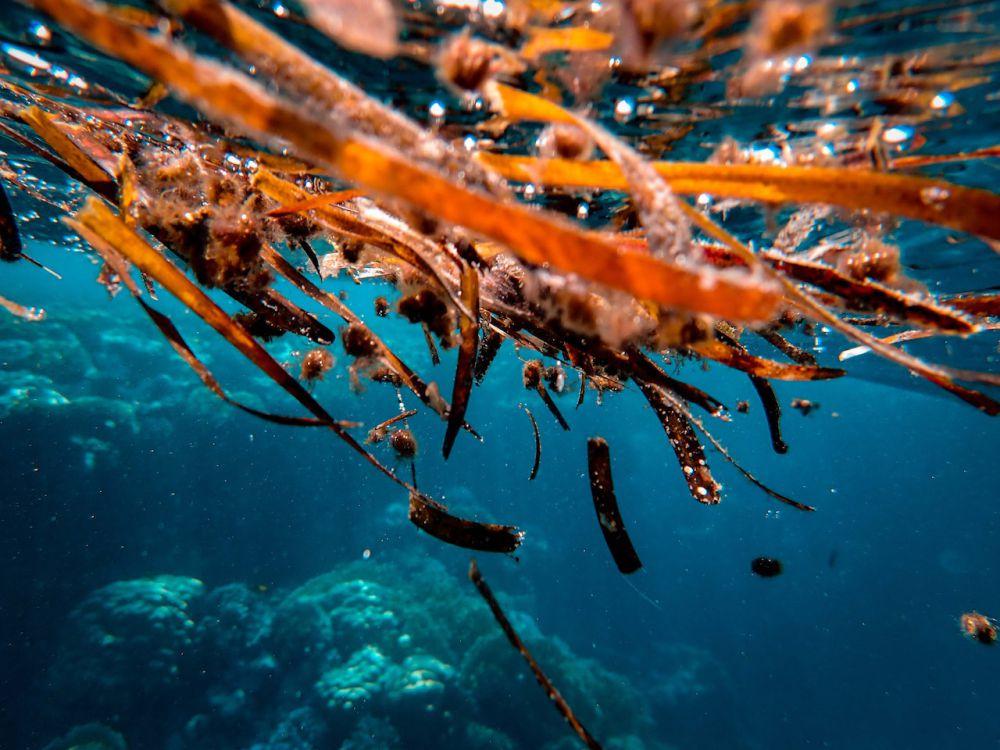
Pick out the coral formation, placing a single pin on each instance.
(369, 655)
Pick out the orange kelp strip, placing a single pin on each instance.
(433, 518)
(934, 201)
(537, 236)
(99, 219)
(316, 201)
(44, 125)
(466, 356)
(567, 39)
(690, 452)
(538, 442)
(740, 359)
(922, 160)
(32, 314)
(515, 640)
(609, 517)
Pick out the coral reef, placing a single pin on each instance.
(369, 655)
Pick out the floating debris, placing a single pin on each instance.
(315, 364)
(804, 406)
(979, 627)
(766, 567)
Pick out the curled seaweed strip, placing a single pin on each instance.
(690, 453)
(515, 640)
(432, 517)
(609, 517)
(538, 442)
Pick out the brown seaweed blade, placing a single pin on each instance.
(99, 219)
(872, 296)
(772, 412)
(538, 443)
(537, 236)
(10, 238)
(649, 371)
(602, 489)
(690, 453)
(550, 690)
(765, 392)
(679, 405)
(466, 357)
(551, 406)
(432, 517)
(786, 347)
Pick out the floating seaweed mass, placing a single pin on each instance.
(242, 173)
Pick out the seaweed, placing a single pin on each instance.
(432, 517)
(538, 443)
(10, 237)
(602, 490)
(690, 453)
(550, 690)
(466, 362)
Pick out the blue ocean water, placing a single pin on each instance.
(180, 575)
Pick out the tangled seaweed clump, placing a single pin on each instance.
(610, 248)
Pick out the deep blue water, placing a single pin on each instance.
(117, 465)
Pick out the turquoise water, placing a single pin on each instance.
(188, 577)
